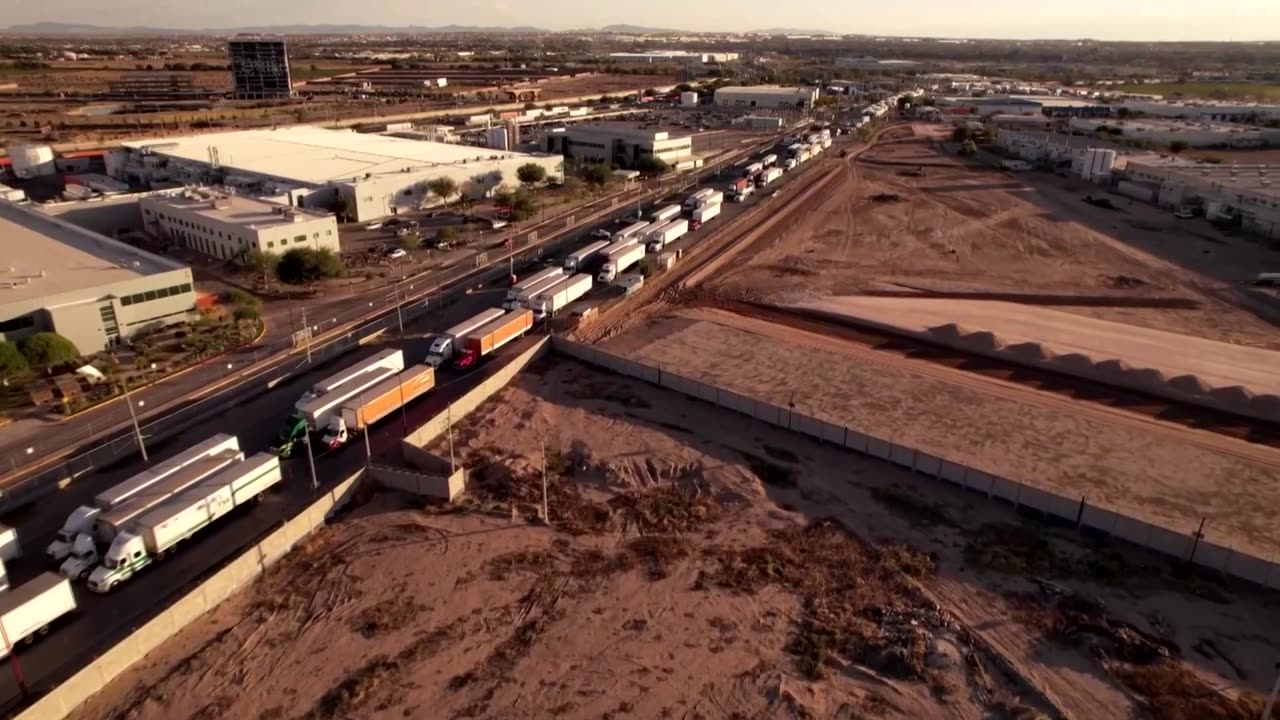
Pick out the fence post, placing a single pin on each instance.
(1080, 513)
(1199, 535)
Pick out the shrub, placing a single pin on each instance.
(48, 348)
(12, 361)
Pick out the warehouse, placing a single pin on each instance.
(228, 226)
(1208, 112)
(87, 287)
(618, 143)
(767, 96)
(1248, 192)
(672, 56)
(1157, 131)
(366, 176)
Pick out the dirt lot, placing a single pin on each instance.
(738, 571)
(959, 229)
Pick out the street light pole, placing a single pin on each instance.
(13, 662)
(137, 431)
(311, 461)
(306, 334)
(399, 315)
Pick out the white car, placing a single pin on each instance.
(375, 225)
(396, 254)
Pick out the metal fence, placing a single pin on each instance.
(1195, 543)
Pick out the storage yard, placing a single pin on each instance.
(698, 565)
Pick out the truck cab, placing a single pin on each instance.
(84, 557)
(126, 556)
(441, 350)
(294, 431)
(608, 272)
(79, 521)
(336, 433)
(466, 360)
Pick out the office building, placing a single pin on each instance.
(766, 96)
(260, 69)
(87, 287)
(618, 143)
(228, 226)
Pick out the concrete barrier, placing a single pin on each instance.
(902, 456)
(1005, 489)
(878, 448)
(952, 472)
(737, 403)
(65, 698)
(928, 465)
(437, 487)
(856, 441)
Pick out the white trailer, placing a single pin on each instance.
(315, 409)
(634, 230)
(697, 199)
(581, 258)
(790, 163)
(111, 522)
(703, 214)
(768, 176)
(443, 346)
(161, 529)
(665, 215)
(519, 293)
(670, 232)
(529, 292)
(744, 193)
(557, 298)
(29, 609)
(618, 261)
(81, 519)
(795, 149)
(752, 170)
(10, 550)
(769, 160)
(390, 359)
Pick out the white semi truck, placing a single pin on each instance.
(313, 411)
(664, 215)
(696, 200)
(579, 259)
(159, 531)
(29, 609)
(703, 214)
(769, 161)
(520, 293)
(634, 230)
(81, 519)
(555, 299)
(618, 261)
(443, 347)
(660, 237)
(768, 176)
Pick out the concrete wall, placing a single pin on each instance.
(65, 698)
(1178, 543)
(446, 487)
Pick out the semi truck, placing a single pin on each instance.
(367, 408)
(768, 176)
(744, 193)
(769, 161)
(29, 609)
(443, 346)
(81, 519)
(670, 232)
(697, 199)
(158, 531)
(556, 298)
(752, 170)
(484, 340)
(634, 230)
(313, 411)
(582, 258)
(790, 163)
(530, 290)
(739, 184)
(664, 215)
(519, 294)
(618, 261)
(703, 214)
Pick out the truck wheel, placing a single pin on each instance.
(29, 639)
(84, 574)
(44, 630)
(260, 497)
(112, 586)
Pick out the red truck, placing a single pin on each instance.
(741, 183)
(489, 337)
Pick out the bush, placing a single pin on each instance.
(969, 148)
(12, 361)
(651, 165)
(531, 173)
(447, 234)
(235, 296)
(48, 348)
(303, 266)
(246, 312)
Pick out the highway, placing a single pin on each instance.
(255, 414)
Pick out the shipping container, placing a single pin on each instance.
(483, 341)
(768, 176)
(752, 170)
(532, 290)
(769, 161)
(30, 608)
(634, 230)
(378, 402)
(515, 292)
(659, 238)
(664, 215)
(618, 261)
(703, 214)
(443, 346)
(697, 198)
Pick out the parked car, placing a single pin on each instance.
(396, 254)
(376, 224)
(601, 234)
(406, 231)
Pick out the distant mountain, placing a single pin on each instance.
(633, 30)
(793, 31)
(54, 28)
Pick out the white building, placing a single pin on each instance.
(368, 176)
(672, 56)
(873, 63)
(1250, 191)
(1207, 112)
(618, 143)
(228, 226)
(767, 96)
(1194, 134)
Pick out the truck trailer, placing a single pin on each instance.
(697, 199)
(634, 230)
(672, 231)
(443, 346)
(520, 293)
(367, 408)
(768, 176)
(29, 609)
(159, 530)
(752, 170)
(664, 215)
(81, 519)
(312, 412)
(483, 341)
(580, 259)
(618, 261)
(554, 299)
(703, 214)
(769, 161)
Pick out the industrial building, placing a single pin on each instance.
(874, 63)
(1049, 105)
(1047, 149)
(767, 96)
(227, 226)
(1159, 131)
(618, 143)
(87, 287)
(260, 69)
(366, 176)
(1250, 193)
(1203, 112)
(156, 86)
(672, 56)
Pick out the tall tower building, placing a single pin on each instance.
(260, 68)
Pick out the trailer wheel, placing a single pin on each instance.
(44, 630)
(29, 639)
(84, 574)
(260, 496)
(112, 586)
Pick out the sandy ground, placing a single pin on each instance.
(1160, 473)
(962, 229)
(701, 575)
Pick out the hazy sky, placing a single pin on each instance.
(1099, 19)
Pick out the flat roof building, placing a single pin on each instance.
(228, 226)
(618, 143)
(375, 175)
(1161, 131)
(672, 56)
(88, 287)
(1250, 191)
(1209, 112)
(767, 96)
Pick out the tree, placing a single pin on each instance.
(407, 242)
(598, 176)
(1178, 146)
(443, 187)
(48, 348)
(969, 148)
(261, 262)
(651, 165)
(531, 173)
(684, 87)
(303, 266)
(447, 234)
(961, 134)
(246, 312)
(12, 361)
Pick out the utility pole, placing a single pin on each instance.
(311, 460)
(449, 420)
(133, 416)
(399, 315)
(13, 662)
(306, 336)
(546, 515)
